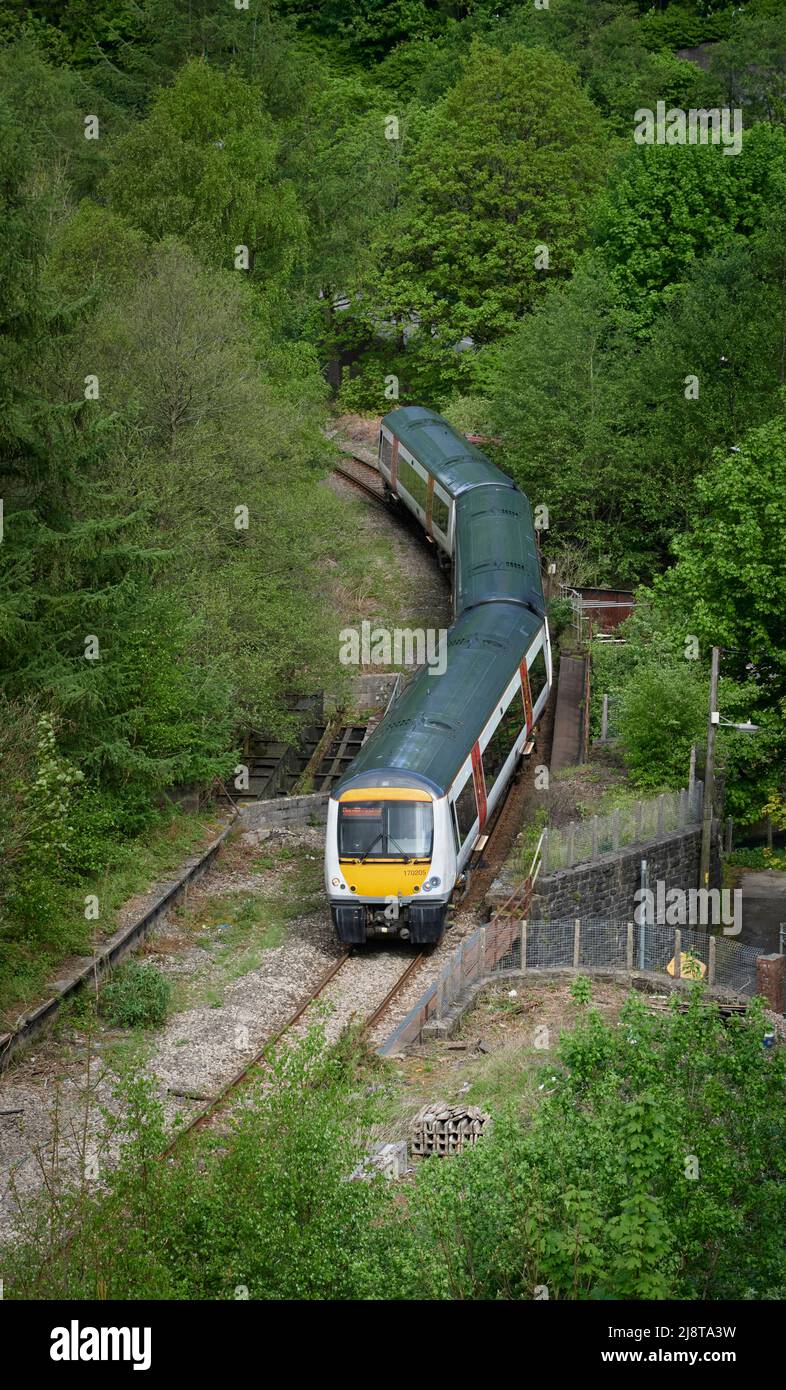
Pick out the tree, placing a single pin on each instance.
(730, 571)
(504, 165)
(562, 400)
(205, 166)
(667, 205)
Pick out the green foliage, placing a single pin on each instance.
(504, 162)
(704, 197)
(731, 566)
(663, 712)
(137, 996)
(622, 1184)
(204, 166)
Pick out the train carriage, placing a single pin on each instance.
(404, 821)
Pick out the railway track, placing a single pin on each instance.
(363, 482)
(209, 1111)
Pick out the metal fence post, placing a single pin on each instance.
(643, 922)
(661, 812)
(711, 962)
(594, 837)
(571, 849)
(677, 954)
(615, 828)
(482, 953)
(629, 948)
(576, 942)
(524, 945)
(544, 850)
(604, 722)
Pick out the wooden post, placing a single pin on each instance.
(677, 953)
(711, 962)
(604, 722)
(524, 945)
(629, 948)
(544, 850)
(482, 950)
(571, 851)
(576, 942)
(729, 834)
(692, 776)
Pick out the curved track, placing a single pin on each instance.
(375, 493)
(217, 1102)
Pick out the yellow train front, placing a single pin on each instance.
(390, 863)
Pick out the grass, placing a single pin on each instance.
(758, 857)
(520, 1023)
(237, 928)
(135, 867)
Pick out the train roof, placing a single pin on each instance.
(496, 558)
(427, 735)
(449, 457)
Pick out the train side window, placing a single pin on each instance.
(537, 674)
(465, 808)
(502, 740)
(386, 451)
(412, 482)
(439, 513)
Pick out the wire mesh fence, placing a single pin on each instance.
(581, 944)
(584, 841)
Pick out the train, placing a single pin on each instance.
(405, 819)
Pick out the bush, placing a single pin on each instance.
(137, 996)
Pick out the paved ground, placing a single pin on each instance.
(763, 907)
(566, 748)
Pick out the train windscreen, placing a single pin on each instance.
(385, 830)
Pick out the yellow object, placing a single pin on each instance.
(385, 794)
(385, 880)
(690, 967)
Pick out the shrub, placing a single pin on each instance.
(136, 997)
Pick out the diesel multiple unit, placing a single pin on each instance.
(405, 820)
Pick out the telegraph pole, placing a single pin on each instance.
(709, 774)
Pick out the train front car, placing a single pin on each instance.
(390, 864)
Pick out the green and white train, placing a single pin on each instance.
(404, 821)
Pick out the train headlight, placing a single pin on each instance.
(434, 881)
(426, 887)
(335, 882)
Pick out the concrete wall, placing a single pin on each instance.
(284, 812)
(606, 887)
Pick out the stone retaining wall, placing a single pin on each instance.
(606, 888)
(284, 812)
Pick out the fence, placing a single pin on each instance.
(582, 842)
(590, 944)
